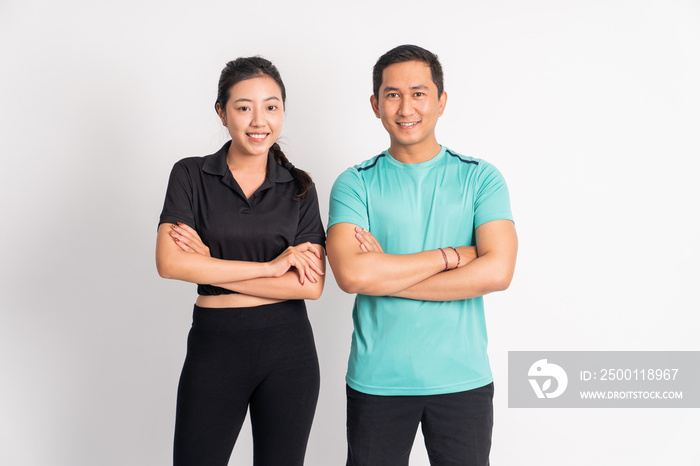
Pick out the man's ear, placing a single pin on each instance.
(443, 102)
(375, 105)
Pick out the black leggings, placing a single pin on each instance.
(263, 357)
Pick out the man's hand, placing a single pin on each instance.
(368, 243)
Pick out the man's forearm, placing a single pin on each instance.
(381, 274)
(492, 270)
(482, 276)
(376, 273)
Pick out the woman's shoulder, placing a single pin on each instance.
(196, 161)
(211, 162)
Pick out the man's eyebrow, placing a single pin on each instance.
(413, 88)
(243, 99)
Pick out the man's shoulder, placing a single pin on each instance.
(355, 174)
(370, 163)
(456, 157)
(480, 166)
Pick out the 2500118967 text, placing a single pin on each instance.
(630, 374)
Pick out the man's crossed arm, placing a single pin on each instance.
(360, 265)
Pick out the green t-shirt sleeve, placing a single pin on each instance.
(348, 202)
(492, 201)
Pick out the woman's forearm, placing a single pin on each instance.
(285, 287)
(172, 262)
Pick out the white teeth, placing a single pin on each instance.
(409, 124)
(257, 136)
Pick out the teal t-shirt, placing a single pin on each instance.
(410, 347)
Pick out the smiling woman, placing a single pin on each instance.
(244, 224)
(253, 116)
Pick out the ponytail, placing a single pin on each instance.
(302, 178)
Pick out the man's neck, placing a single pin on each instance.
(416, 153)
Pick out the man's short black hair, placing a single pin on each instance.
(404, 53)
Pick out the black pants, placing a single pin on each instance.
(260, 357)
(456, 427)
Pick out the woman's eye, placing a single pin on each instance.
(243, 109)
(272, 107)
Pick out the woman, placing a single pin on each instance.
(244, 224)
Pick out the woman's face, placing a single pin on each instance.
(253, 115)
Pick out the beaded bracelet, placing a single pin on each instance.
(444, 257)
(459, 258)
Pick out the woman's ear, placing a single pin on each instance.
(221, 113)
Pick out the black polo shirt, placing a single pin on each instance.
(203, 194)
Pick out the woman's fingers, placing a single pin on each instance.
(304, 265)
(315, 262)
(187, 232)
(178, 238)
(181, 244)
(284, 262)
(189, 237)
(188, 229)
(304, 258)
(308, 247)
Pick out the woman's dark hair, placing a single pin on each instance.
(404, 53)
(243, 68)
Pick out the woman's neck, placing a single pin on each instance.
(247, 163)
(249, 171)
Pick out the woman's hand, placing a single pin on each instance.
(188, 239)
(304, 258)
(368, 243)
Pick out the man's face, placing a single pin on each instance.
(409, 105)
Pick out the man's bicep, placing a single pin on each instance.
(341, 243)
(343, 252)
(497, 246)
(497, 237)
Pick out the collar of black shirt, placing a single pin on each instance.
(216, 165)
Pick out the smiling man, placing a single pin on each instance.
(420, 233)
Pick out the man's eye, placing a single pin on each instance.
(392, 95)
(419, 94)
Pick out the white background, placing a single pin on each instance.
(589, 108)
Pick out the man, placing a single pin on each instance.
(420, 233)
